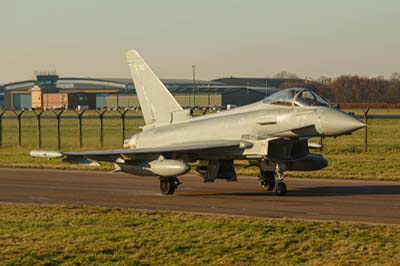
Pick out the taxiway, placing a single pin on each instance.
(312, 199)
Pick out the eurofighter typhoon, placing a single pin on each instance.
(271, 134)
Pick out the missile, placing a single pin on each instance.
(46, 154)
(57, 155)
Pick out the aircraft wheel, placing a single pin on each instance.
(267, 180)
(168, 185)
(281, 189)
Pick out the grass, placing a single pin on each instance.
(67, 235)
(345, 154)
(69, 131)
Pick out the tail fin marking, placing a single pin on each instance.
(156, 101)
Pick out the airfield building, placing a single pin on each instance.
(49, 91)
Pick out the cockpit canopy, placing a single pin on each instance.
(296, 97)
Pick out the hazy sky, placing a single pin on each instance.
(88, 38)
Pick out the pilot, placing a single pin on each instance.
(306, 98)
(291, 95)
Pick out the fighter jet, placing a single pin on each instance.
(272, 135)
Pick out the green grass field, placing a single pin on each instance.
(345, 154)
(66, 235)
(69, 131)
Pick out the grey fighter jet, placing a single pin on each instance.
(271, 134)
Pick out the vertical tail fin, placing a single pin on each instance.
(156, 101)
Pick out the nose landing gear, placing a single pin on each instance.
(270, 180)
(281, 188)
(267, 180)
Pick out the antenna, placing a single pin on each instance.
(194, 84)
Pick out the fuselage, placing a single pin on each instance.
(255, 121)
(229, 125)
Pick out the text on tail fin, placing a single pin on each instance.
(156, 101)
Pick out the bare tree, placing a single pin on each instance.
(325, 80)
(393, 91)
(285, 75)
(395, 76)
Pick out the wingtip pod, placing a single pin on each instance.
(46, 154)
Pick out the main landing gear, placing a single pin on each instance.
(168, 184)
(273, 180)
(267, 180)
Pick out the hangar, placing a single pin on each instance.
(49, 91)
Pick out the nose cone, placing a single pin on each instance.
(334, 123)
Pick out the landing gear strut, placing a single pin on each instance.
(168, 184)
(281, 188)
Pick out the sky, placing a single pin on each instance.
(89, 38)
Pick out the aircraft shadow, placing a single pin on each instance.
(324, 191)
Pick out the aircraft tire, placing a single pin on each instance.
(271, 184)
(168, 185)
(281, 189)
(267, 180)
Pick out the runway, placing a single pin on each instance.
(312, 199)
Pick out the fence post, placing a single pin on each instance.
(205, 110)
(19, 117)
(58, 116)
(123, 117)
(365, 111)
(321, 142)
(39, 128)
(101, 116)
(80, 114)
(1, 127)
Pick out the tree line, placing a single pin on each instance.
(349, 89)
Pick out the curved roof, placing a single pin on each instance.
(72, 82)
(256, 82)
(176, 86)
(120, 83)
